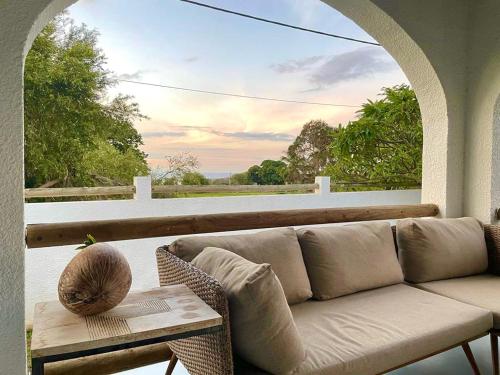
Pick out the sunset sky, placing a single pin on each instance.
(174, 43)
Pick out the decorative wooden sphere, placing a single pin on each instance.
(96, 280)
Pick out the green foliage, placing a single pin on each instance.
(241, 179)
(384, 145)
(109, 166)
(29, 334)
(309, 154)
(194, 178)
(269, 172)
(254, 174)
(74, 136)
(89, 241)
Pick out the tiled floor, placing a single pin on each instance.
(452, 362)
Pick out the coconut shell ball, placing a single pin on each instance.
(96, 280)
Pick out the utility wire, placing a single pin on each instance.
(280, 23)
(236, 95)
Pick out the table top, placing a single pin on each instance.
(143, 315)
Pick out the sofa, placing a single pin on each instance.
(337, 299)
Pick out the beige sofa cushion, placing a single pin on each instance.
(478, 290)
(278, 247)
(345, 259)
(435, 249)
(373, 331)
(262, 328)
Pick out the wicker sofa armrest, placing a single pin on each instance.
(492, 236)
(210, 353)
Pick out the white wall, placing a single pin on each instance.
(482, 168)
(44, 265)
(15, 24)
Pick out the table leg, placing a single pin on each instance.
(36, 366)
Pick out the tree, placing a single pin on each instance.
(272, 172)
(71, 129)
(241, 179)
(269, 172)
(106, 165)
(194, 178)
(309, 154)
(177, 166)
(254, 174)
(383, 147)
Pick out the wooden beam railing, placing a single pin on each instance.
(166, 189)
(234, 188)
(78, 191)
(58, 234)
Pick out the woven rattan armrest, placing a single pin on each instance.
(207, 354)
(492, 236)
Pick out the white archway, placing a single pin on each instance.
(426, 64)
(437, 186)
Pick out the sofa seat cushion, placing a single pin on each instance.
(436, 249)
(374, 331)
(262, 328)
(478, 290)
(350, 258)
(278, 247)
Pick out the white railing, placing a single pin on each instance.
(44, 265)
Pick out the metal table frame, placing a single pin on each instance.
(38, 363)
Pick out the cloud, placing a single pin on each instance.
(261, 136)
(191, 59)
(326, 71)
(133, 76)
(352, 65)
(179, 131)
(159, 134)
(294, 66)
(191, 127)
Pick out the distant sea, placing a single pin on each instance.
(212, 175)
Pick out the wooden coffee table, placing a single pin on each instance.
(143, 318)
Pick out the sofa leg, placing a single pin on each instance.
(494, 352)
(171, 364)
(470, 357)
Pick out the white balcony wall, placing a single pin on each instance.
(44, 265)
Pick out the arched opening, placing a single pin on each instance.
(229, 134)
(423, 78)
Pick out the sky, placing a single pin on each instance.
(174, 43)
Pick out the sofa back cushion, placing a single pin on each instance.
(262, 328)
(346, 259)
(278, 247)
(436, 249)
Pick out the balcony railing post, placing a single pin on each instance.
(323, 183)
(142, 188)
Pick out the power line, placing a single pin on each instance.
(235, 95)
(280, 23)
